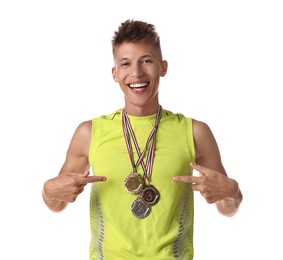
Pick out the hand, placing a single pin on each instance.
(66, 187)
(212, 185)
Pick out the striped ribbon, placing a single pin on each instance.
(130, 135)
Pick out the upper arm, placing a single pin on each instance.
(77, 154)
(207, 151)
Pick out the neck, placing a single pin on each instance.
(141, 111)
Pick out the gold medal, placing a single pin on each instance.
(150, 195)
(133, 183)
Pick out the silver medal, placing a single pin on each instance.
(139, 209)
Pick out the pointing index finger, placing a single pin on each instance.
(187, 179)
(91, 179)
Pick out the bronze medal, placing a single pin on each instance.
(139, 209)
(133, 183)
(150, 195)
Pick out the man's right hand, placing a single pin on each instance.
(65, 188)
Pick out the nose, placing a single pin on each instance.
(137, 71)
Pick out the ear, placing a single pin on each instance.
(114, 74)
(164, 67)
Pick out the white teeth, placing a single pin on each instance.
(138, 85)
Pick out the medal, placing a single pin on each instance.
(139, 209)
(133, 183)
(150, 195)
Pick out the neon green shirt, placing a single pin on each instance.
(167, 233)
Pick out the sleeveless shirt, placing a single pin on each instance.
(167, 233)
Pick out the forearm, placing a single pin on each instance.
(230, 206)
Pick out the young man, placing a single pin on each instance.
(142, 158)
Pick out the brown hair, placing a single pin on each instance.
(136, 31)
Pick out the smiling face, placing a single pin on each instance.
(138, 68)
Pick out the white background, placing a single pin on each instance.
(225, 68)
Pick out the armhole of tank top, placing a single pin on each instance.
(91, 146)
(190, 138)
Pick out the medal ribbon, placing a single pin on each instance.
(129, 134)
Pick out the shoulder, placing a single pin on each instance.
(200, 128)
(83, 130)
(81, 139)
(205, 142)
(203, 135)
(85, 126)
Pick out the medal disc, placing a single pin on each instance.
(139, 209)
(150, 195)
(133, 183)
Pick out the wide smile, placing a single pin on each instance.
(138, 85)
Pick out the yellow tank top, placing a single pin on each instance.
(167, 232)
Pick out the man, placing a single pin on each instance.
(142, 158)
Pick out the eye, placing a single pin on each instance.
(145, 61)
(125, 64)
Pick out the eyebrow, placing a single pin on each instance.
(140, 58)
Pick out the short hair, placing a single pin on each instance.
(137, 32)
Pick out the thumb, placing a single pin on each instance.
(201, 170)
(85, 174)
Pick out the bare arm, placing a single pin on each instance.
(213, 183)
(74, 174)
